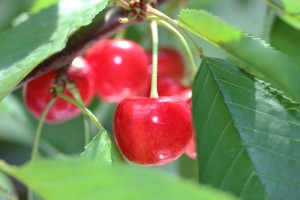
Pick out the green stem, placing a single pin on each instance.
(39, 130)
(37, 138)
(154, 31)
(123, 4)
(121, 34)
(267, 23)
(72, 88)
(173, 23)
(82, 108)
(86, 130)
(192, 67)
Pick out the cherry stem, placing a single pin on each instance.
(121, 34)
(162, 16)
(82, 108)
(39, 129)
(154, 93)
(267, 25)
(192, 67)
(123, 4)
(72, 88)
(37, 138)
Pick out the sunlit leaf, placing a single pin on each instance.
(288, 10)
(61, 180)
(254, 54)
(248, 135)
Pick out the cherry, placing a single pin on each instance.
(38, 92)
(121, 69)
(170, 63)
(153, 131)
(166, 86)
(191, 149)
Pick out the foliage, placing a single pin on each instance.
(246, 107)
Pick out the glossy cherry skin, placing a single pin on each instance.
(37, 93)
(120, 67)
(170, 63)
(152, 131)
(191, 149)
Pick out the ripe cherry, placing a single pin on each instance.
(153, 131)
(191, 149)
(166, 86)
(38, 92)
(120, 67)
(170, 63)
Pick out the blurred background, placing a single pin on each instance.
(17, 126)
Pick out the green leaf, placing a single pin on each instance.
(25, 46)
(91, 180)
(42, 4)
(286, 39)
(102, 148)
(7, 190)
(288, 10)
(248, 135)
(16, 128)
(261, 59)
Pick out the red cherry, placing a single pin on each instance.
(170, 63)
(121, 69)
(166, 86)
(38, 92)
(191, 149)
(153, 131)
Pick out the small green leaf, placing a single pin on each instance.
(66, 179)
(248, 135)
(22, 48)
(288, 10)
(102, 148)
(258, 57)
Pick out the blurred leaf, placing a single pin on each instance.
(265, 62)
(248, 135)
(286, 39)
(9, 9)
(102, 148)
(6, 188)
(42, 4)
(288, 10)
(15, 127)
(91, 180)
(43, 34)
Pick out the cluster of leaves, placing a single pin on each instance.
(246, 114)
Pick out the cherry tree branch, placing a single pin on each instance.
(101, 27)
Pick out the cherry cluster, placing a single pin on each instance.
(148, 131)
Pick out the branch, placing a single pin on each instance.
(82, 40)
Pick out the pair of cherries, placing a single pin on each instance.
(148, 131)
